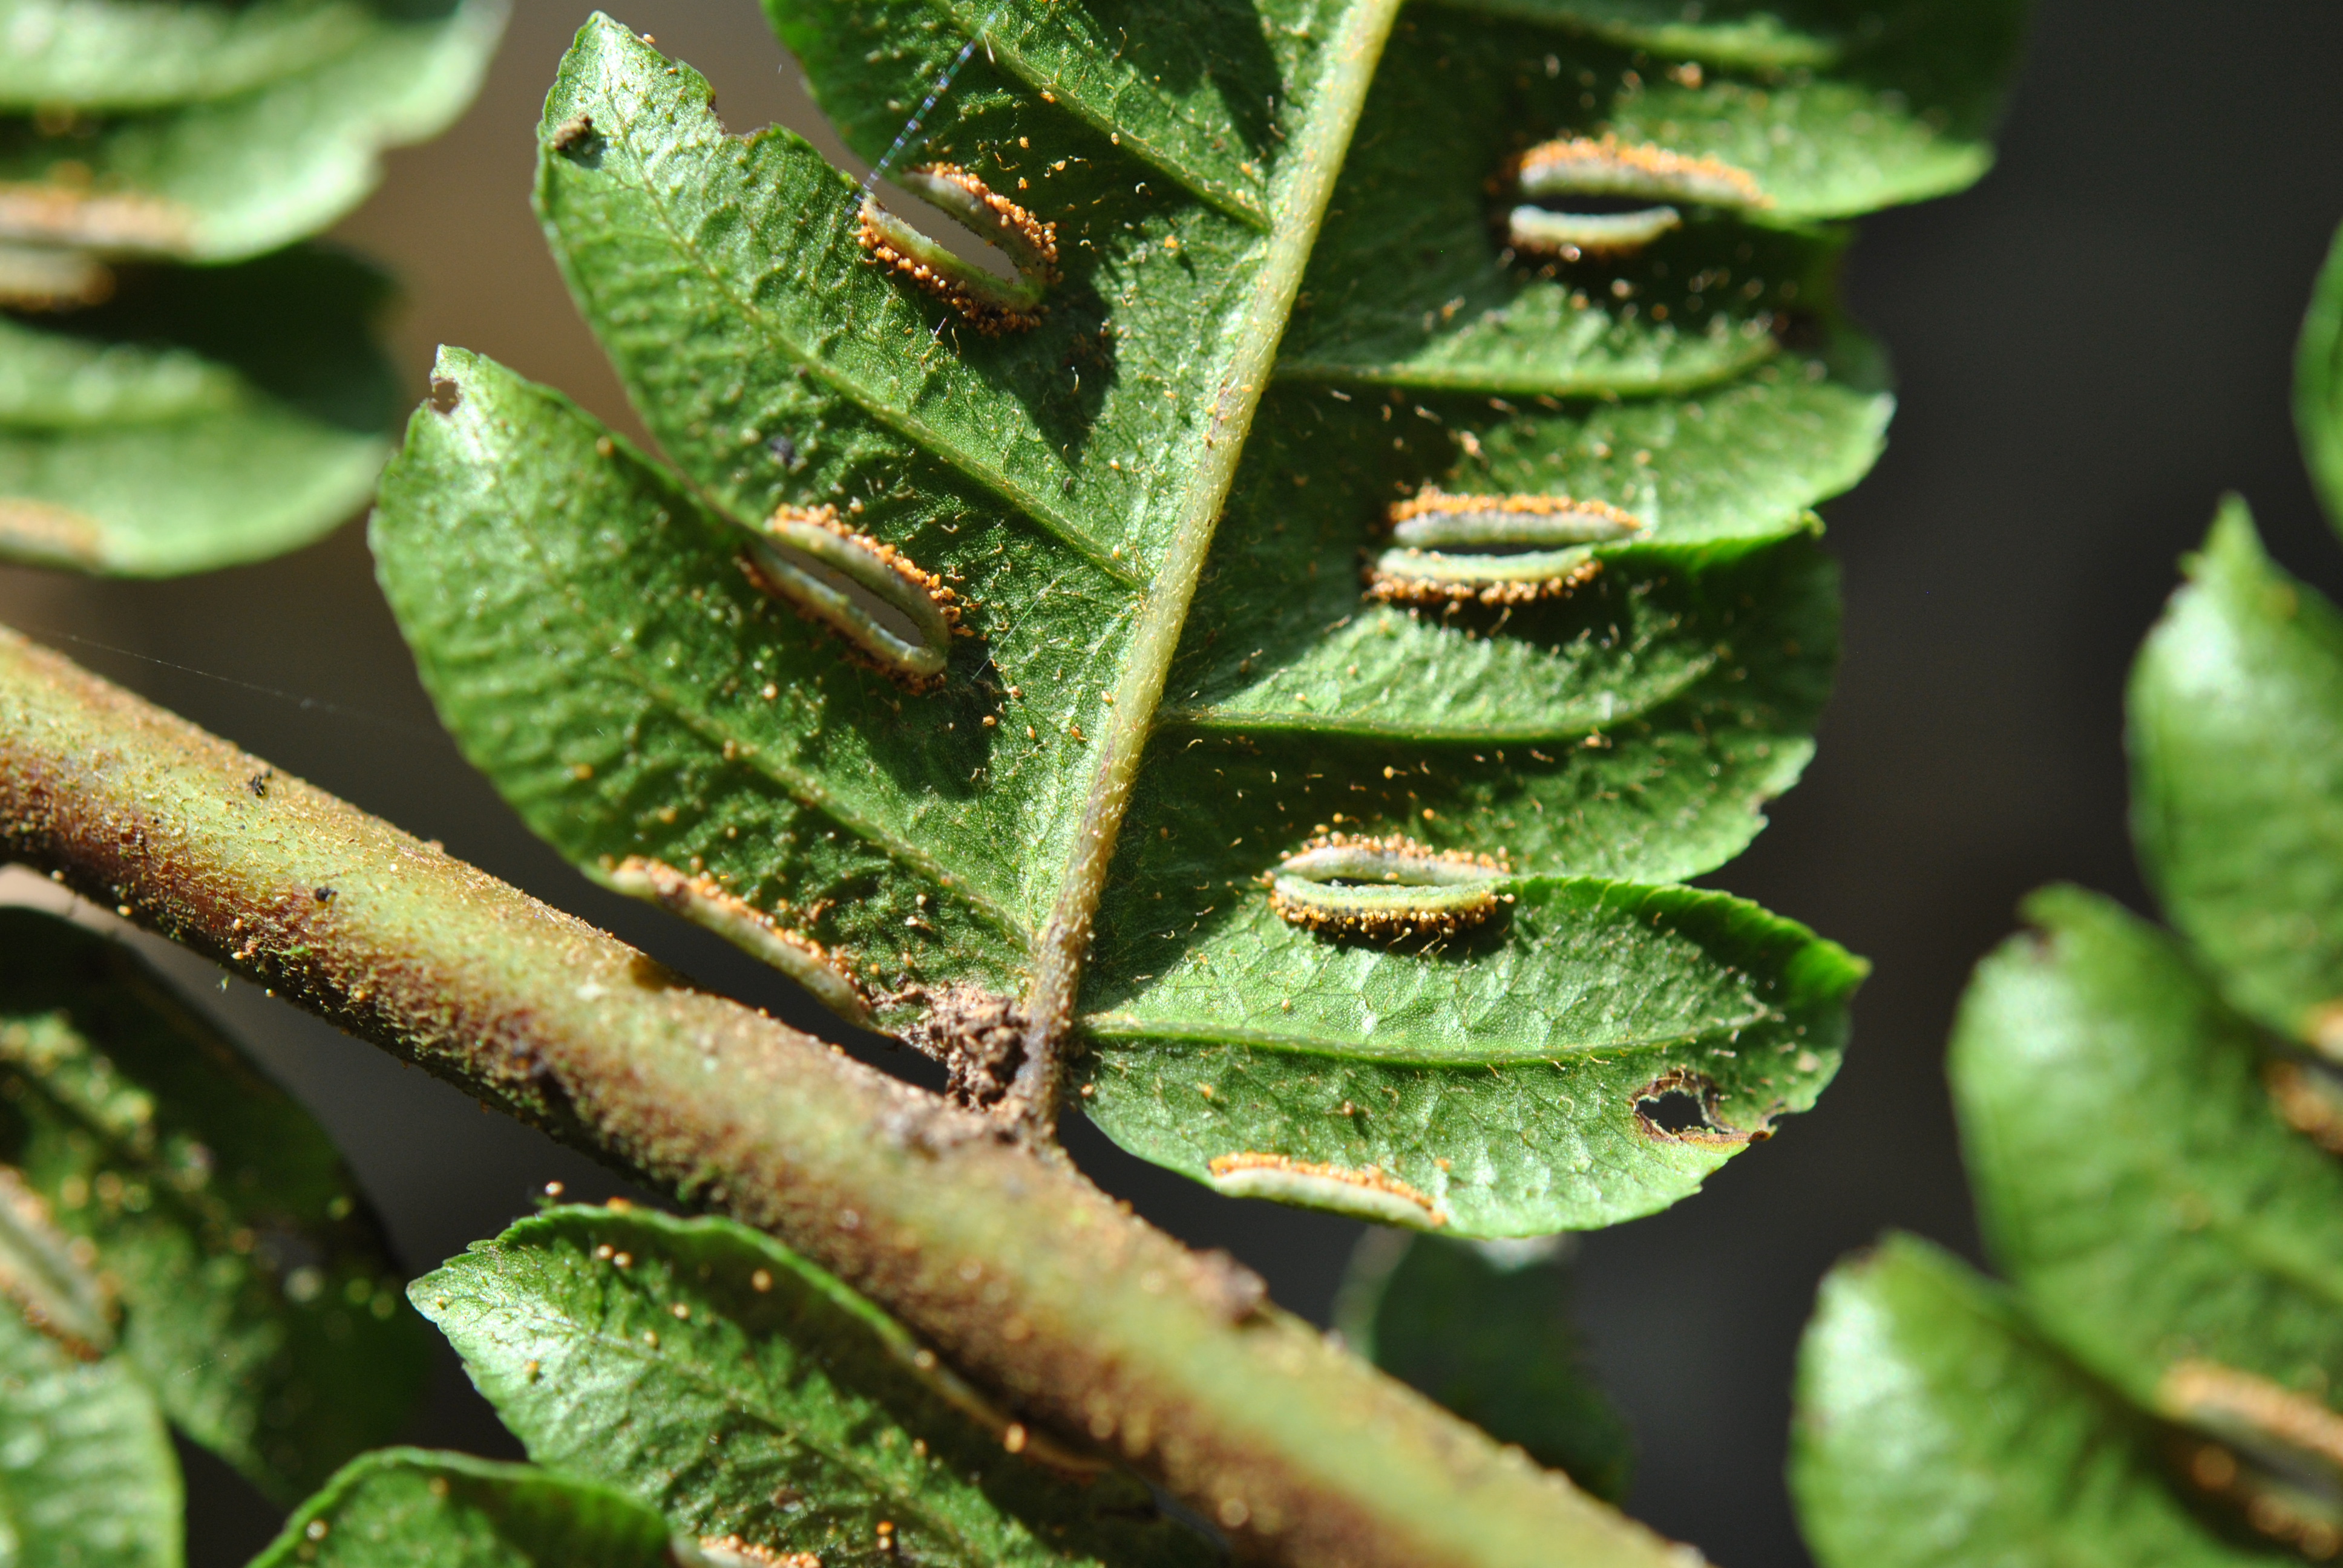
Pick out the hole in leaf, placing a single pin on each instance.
(1675, 1112)
(1681, 1107)
(948, 232)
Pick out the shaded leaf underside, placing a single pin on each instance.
(590, 639)
(200, 419)
(1484, 1328)
(257, 1300)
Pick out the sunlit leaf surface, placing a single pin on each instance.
(587, 628)
(2135, 1179)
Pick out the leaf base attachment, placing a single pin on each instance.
(979, 1038)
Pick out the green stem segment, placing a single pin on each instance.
(1299, 206)
(1025, 1276)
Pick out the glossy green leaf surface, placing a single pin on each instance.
(403, 1506)
(256, 1298)
(2236, 732)
(703, 1367)
(87, 1473)
(1500, 1079)
(1411, 286)
(1837, 106)
(197, 177)
(1509, 1080)
(587, 632)
(1935, 1429)
(1484, 1328)
(199, 419)
(2130, 1171)
(1200, 93)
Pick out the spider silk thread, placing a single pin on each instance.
(935, 94)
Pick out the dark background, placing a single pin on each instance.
(2092, 346)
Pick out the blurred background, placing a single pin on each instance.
(2092, 346)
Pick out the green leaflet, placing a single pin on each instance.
(1596, 989)
(87, 1473)
(1512, 1081)
(201, 418)
(1743, 460)
(195, 177)
(1406, 286)
(1732, 33)
(807, 373)
(257, 1299)
(2129, 1169)
(2235, 731)
(1484, 1329)
(617, 668)
(2138, 1147)
(1837, 106)
(583, 624)
(704, 1367)
(1935, 1430)
(400, 1506)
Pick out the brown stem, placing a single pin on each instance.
(1025, 1275)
